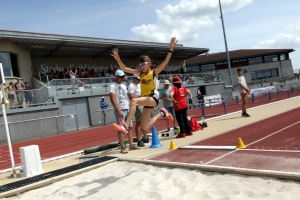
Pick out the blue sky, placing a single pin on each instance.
(196, 23)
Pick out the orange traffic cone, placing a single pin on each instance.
(240, 144)
(173, 145)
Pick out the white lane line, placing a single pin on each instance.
(265, 150)
(255, 142)
(274, 133)
(220, 157)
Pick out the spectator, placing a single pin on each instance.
(212, 75)
(167, 103)
(244, 91)
(271, 83)
(191, 101)
(98, 73)
(264, 84)
(72, 74)
(178, 96)
(199, 96)
(19, 87)
(11, 94)
(119, 100)
(28, 95)
(134, 91)
(103, 106)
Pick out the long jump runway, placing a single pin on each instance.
(272, 144)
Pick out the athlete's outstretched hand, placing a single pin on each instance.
(115, 55)
(173, 43)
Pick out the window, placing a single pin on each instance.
(271, 58)
(10, 64)
(274, 72)
(267, 73)
(207, 67)
(261, 74)
(282, 56)
(240, 62)
(194, 68)
(6, 64)
(253, 75)
(256, 60)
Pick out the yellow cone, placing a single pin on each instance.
(173, 145)
(240, 144)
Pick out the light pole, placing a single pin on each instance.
(227, 54)
(2, 82)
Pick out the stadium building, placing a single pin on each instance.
(31, 56)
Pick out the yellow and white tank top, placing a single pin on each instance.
(148, 84)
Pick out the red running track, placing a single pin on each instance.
(272, 144)
(67, 143)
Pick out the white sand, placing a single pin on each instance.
(122, 180)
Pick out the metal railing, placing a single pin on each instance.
(27, 129)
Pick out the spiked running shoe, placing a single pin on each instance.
(121, 127)
(166, 114)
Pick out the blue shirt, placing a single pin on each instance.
(103, 103)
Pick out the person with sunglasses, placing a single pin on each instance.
(149, 93)
(119, 99)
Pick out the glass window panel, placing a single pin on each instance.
(253, 76)
(267, 73)
(274, 72)
(271, 58)
(6, 64)
(260, 74)
(282, 56)
(255, 60)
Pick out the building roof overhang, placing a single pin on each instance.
(233, 55)
(52, 45)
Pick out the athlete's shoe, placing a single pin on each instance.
(166, 114)
(245, 115)
(134, 147)
(121, 127)
(124, 150)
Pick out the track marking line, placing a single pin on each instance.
(220, 157)
(274, 133)
(288, 151)
(255, 142)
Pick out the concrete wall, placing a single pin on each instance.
(24, 59)
(33, 129)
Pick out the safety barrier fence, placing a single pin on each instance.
(31, 128)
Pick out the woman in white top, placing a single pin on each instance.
(72, 74)
(11, 94)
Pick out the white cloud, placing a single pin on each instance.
(185, 20)
(289, 39)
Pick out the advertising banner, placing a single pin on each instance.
(212, 100)
(262, 90)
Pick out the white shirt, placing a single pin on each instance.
(72, 76)
(134, 89)
(121, 95)
(242, 80)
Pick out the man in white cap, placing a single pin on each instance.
(167, 103)
(119, 99)
(103, 106)
(134, 91)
